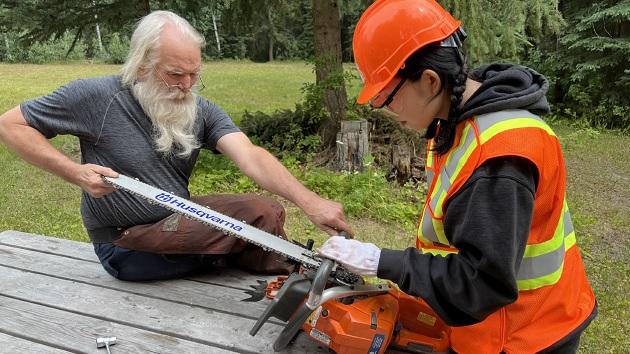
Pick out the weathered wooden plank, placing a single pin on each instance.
(220, 298)
(47, 244)
(54, 328)
(234, 278)
(11, 344)
(85, 251)
(178, 320)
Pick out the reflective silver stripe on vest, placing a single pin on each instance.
(568, 224)
(445, 184)
(430, 163)
(485, 121)
(545, 264)
(428, 231)
(469, 139)
(430, 176)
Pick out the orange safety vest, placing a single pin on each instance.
(554, 294)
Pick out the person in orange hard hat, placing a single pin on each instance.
(496, 254)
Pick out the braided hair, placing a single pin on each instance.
(450, 65)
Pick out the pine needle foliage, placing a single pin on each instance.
(590, 62)
(502, 30)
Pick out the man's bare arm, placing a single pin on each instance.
(269, 173)
(33, 147)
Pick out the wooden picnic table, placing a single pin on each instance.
(56, 298)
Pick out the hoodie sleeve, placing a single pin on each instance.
(488, 220)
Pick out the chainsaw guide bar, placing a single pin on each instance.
(215, 220)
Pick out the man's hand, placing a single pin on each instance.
(356, 256)
(327, 215)
(90, 178)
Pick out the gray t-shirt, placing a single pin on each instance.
(114, 131)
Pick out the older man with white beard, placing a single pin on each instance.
(149, 123)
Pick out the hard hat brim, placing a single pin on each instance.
(367, 92)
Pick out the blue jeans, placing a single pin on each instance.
(126, 264)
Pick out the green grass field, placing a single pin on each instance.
(597, 161)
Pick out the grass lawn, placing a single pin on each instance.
(598, 180)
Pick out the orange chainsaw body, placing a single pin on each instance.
(372, 324)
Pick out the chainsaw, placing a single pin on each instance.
(333, 306)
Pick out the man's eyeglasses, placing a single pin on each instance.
(382, 99)
(197, 86)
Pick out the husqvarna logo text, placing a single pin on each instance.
(173, 201)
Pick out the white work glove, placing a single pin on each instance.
(356, 256)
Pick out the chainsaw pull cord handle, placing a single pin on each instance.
(302, 313)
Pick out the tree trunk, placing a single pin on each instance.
(146, 6)
(216, 33)
(98, 32)
(272, 33)
(328, 65)
(100, 41)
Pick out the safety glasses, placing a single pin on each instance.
(198, 85)
(383, 99)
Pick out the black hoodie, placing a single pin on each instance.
(488, 219)
(507, 86)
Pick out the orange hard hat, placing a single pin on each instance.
(389, 31)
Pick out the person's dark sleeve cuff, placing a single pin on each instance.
(389, 264)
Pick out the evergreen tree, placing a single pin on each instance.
(589, 62)
(502, 30)
(262, 22)
(41, 20)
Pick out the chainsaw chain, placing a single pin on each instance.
(345, 277)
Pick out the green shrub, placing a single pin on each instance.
(217, 174)
(117, 49)
(288, 133)
(363, 195)
(51, 51)
(284, 133)
(367, 194)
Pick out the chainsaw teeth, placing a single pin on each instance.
(309, 265)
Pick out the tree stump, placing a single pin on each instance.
(401, 163)
(352, 145)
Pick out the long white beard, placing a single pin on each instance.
(173, 113)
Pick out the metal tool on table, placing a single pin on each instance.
(332, 305)
(105, 342)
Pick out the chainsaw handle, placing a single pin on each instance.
(319, 283)
(292, 328)
(314, 300)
